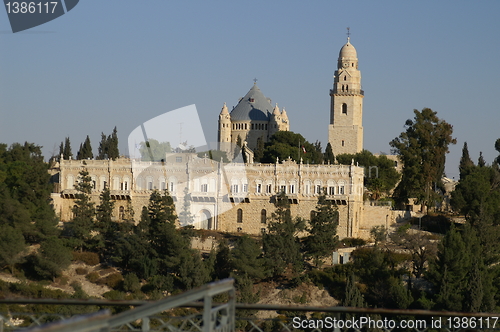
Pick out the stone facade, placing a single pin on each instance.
(345, 132)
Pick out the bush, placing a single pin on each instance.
(131, 283)
(92, 277)
(89, 258)
(114, 280)
(353, 242)
(81, 271)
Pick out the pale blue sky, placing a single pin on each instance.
(123, 62)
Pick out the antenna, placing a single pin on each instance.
(348, 33)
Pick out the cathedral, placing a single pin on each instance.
(239, 197)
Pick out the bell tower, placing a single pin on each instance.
(345, 132)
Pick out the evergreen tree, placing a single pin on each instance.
(258, 153)
(152, 150)
(422, 148)
(481, 162)
(185, 217)
(103, 151)
(323, 238)
(12, 246)
(466, 164)
(104, 218)
(497, 147)
(61, 150)
(284, 144)
(328, 156)
(281, 245)
(222, 265)
(353, 296)
(247, 258)
(85, 151)
(112, 143)
(83, 214)
(79, 153)
(67, 149)
(52, 258)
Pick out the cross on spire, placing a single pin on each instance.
(254, 81)
(348, 33)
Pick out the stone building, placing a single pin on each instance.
(345, 133)
(239, 197)
(254, 117)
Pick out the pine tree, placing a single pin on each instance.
(104, 222)
(247, 258)
(281, 246)
(12, 246)
(323, 238)
(83, 213)
(328, 156)
(353, 296)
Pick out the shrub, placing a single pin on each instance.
(81, 271)
(92, 277)
(114, 280)
(89, 258)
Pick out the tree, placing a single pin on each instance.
(481, 162)
(466, 163)
(105, 224)
(328, 156)
(282, 248)
(380, 174)
(103, 148)
(421, 246)
(216, 155)
(422, 149)
(258, 153)
(83, 213)
(52, 258)
(67, 154)
(247, 259)
(497, 147)
(323, 238)
(12, 246)
(152, 150)
(284, 144)
(185, 217)
(85, 151)
(113, 151)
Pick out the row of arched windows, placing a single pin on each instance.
(263, 216)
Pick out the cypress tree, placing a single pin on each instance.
(466, 163)
(480, 161)
(258, 154)
(86, 150)
(67, 149)
(112, 143)
(328, 155)
(103, 148)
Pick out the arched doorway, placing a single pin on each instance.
(205, 219)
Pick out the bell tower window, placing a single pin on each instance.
(344, 108)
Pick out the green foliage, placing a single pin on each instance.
(108, 147)
(107, 228)
(323, 238)
(85, 151)
(284, 144)
(152, 150)
(216, 155)
(246, 258)
(52, 258)
(92, 277)
(222, 265)
(114, 280)
(84, 212)
(380, 174)
(12, 246)
(422, 149)
(353, 242)
(185, 217)
(131, 283)
(67, 154)
(328, 156)
(89, 258)
(81, 271)
(353, 296)
(258, 153)
(281, 245)
(378, 233)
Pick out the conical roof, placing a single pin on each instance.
(254, 106)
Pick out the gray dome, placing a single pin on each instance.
(254, 106)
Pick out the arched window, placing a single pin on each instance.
(122, 213)
(344, 108)
(347, 88)
(345, 78)
(342, 142)
(263, 216)
(343, 88)
(240, 216)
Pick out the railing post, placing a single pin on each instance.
(145, 324)
(207, 313)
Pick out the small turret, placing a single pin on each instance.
(224, 129)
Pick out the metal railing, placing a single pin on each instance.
(151, 316)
